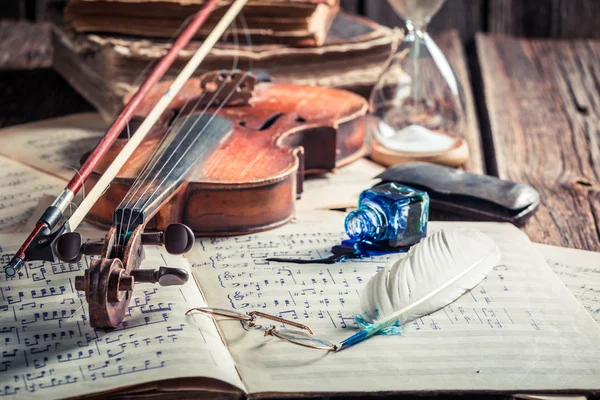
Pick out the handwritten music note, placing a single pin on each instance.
(519, 329)
(50, 351)
(21, 187)
(579, 270)
(54, 146)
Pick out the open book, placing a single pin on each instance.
(520, 330)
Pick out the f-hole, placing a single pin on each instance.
(267, 123)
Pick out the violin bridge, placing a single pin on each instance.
(231, 87)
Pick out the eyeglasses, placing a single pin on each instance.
(304, 336)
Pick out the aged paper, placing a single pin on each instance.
(520, 329)
(50, 351)
(54, 146)
(579, 270)
(339, 189)
(21, 187)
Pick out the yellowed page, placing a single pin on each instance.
(21, 187)
(579, 270)
(54, 146)
(339, 189)
(50, 351)
(520, 329)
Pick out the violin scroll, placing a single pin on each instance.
(109, 282)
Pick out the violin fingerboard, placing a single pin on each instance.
(189, 143)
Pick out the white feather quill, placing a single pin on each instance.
(433, 274)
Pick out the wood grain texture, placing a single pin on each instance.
(543, 107)
(450, 43)
(547, 18)
(24, 45)
(466, 16)
(29, 90)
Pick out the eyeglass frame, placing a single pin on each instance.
(251, 316)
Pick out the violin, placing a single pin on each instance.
(223, 154)
(233, 163)
(279, 133)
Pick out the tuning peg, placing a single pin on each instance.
(69, 248)
(164, 276)
(92, 248)
(177, 239)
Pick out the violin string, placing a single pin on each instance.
(213, 116)
(171, 125)
(142, 76)
(138, 81)
(216, 94)
(142, 173)
(143, 177)
(148, 167)
(181, 141)
(144, 73)
(145, 170)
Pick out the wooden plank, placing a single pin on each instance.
(29, 90)
(543, 107)
(466, 16)
(548, 18)
(24, 45)
(450, 43)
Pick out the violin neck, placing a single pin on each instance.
(188, 144)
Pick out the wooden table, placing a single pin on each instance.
(532, 110)
(540, 119)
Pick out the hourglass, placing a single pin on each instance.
(416, 109)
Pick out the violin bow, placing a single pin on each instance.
(40, 242)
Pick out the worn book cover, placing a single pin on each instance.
(294, 22)
(105, 69)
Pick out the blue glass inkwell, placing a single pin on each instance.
(390, 218)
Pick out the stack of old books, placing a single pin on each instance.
(102, 47)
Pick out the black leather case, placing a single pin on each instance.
(481, 197)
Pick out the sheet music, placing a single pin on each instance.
(520, 329)
(579, 270)
(54, 146)
(21, 187)
(50, 351)
(339, 189)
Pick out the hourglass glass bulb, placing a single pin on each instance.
(416, 106)
(418, 12)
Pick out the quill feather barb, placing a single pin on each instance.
(434, 274)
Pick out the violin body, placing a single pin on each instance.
(252, 179)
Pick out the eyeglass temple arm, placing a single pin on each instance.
(281, 320)
(251, 317)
